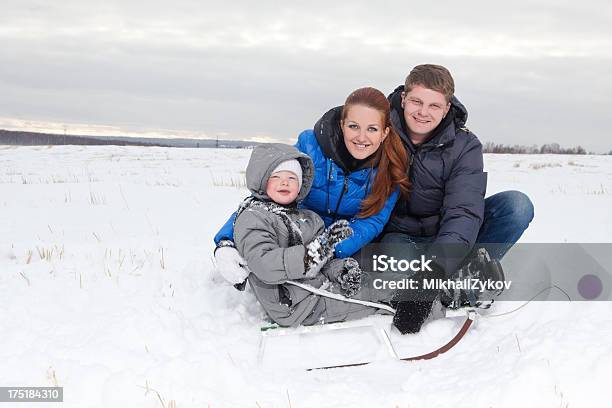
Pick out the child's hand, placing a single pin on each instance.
(350, 278)
(321, 249)
(229, 264)
(318, 252)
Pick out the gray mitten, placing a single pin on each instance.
(321, 249)
(350, 278)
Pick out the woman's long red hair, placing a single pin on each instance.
(391, 159)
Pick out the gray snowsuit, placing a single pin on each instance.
(272, 238)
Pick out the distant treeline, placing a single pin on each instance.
(552, 148)
(10, 137)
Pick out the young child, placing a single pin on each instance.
(282, 242)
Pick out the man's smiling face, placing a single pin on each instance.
(424, 109)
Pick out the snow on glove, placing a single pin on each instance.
(229, 264)
(350, 279)
(338, 231)
(321, 249)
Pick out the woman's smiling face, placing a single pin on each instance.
(363, 130)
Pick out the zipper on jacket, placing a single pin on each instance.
(344, 190)
(415, 153)
(329, 169)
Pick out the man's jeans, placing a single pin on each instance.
(506, 216)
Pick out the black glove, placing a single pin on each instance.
(350, 278)
(321, 249)
(414, 307)
(410, 316)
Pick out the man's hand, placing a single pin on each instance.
(229, 264)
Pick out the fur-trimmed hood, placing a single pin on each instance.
(265, 158)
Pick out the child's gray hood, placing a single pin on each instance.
(266, 157)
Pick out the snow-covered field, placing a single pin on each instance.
(107, 289)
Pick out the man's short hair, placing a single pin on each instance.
(431, 76)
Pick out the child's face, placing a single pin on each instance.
(283, 187)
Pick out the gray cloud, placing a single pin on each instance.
(529, 72)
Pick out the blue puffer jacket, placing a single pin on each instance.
(340, 184)
(446, 201)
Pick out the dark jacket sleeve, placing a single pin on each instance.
(463, 207)
(256, 241)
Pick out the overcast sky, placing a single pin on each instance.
(529, 72)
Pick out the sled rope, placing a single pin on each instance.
(337, 296)
(529, 301)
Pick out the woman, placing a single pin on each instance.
(360, 168)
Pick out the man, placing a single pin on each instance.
(446, 208)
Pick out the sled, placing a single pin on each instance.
(357, 343)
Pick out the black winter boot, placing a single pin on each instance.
(478, 266)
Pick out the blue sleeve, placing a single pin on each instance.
(227, 230)
(366, 229)
(303, 140)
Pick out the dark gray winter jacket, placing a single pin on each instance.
(265, 241)
(448, 183)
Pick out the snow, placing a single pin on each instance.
(107, 289)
